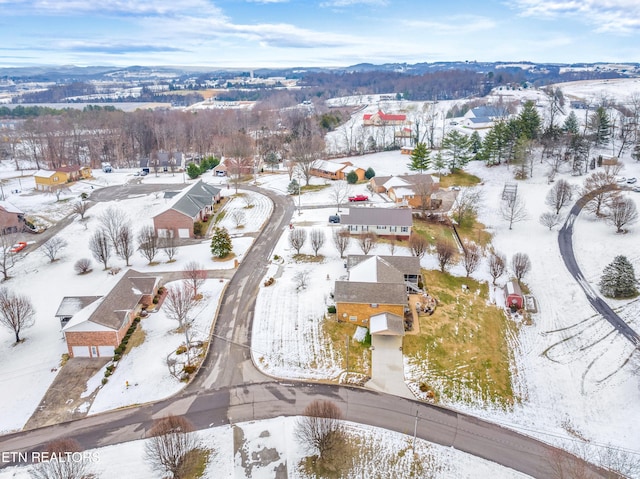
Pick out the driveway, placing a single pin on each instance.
(387, 372)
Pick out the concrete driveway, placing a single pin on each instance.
(387, 372)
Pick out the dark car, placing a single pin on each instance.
(334, 219)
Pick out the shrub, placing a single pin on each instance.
(111, 367)
(352, 177)
(156, 299)
(104, 381)
(370, 173)
(118, 350)
(181, 350)
(161, 290)
(107, 373)
(82, 266)
(198, 228)
(189, 369)
(117, 356)
(331, 309)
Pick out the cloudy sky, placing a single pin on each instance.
(279, 33)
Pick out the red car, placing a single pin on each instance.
(18, 247)
(358, 198)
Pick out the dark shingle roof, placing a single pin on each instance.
(370, 293)
(70, 305)
(404, 264)
(195, 199)
(377, 216)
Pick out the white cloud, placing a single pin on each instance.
(614, 16)
(348, 3)
(453, 25)
(109, 7)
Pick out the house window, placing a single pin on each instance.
(94, 352)
(381, 227)
(353, 318)
(374, 305)
(393, 229)
(353, 228)
(404, 229)
(55, 178)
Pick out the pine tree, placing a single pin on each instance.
(618, 279)
(294, 187)
(370, 173)
(352, 177)
(601, 126)
(571, 124)
(476, 144)
(220, 242)
(419, 158)
(459, 149)
(529, 121)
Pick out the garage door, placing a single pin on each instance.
(80, 351)
(183, 233)
(105, 351)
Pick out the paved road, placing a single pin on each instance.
(230, 389)
(565, 242)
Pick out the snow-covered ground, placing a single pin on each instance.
(258, 449)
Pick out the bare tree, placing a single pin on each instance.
(550, 219)
(367, 241)
(418, 245)
(112, 220)
(316, 237)
(301, 278)
(600, 189)
(124, 242)
(297, 238)
(513, 210)
(466, 204)
(82, 266)
(445, 253)
(393, 241)
(148, 242)
(52, 247)
(320, 429)
(59, 465)
(341, 238)
(340, 191)
(195, 275)
(100, 247)
(168, 245)
(521, 265)
(471, 256)
(179, 305)
(248, 199)
(80, 208)
(171, 446)
(7, 256)
(560, 195)
(238, 217)
(16, 312)
(237, 168)
(622, 212)
(497, 265)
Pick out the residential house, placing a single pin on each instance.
(381, 221)
(98, 328)
(380, 118)
(163, 161)
(483, 117)
(335, 171)
(513, 295)
(48, 180)
(70, 305)
(415, 191)
(375, 285)
(194, 203)
(11, 218)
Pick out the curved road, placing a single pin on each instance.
(228, 388)
(565, 242)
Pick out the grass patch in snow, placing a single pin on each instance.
(310, 188)
(432, 230)
(308, 258)
(462, 349)
(136, 339)
(359, 352)
(459, 178)
(476, 232)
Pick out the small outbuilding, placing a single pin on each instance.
(513, 295)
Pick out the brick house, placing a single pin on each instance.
(375, 285)
(415, 191)
(381, 221)
(96, 329)
(11, 218)
(195, 203)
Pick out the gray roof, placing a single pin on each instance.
(375, 269)
(377, 216)
(380, 180)
(124, 297)
(404, 264)
(70, 305)
(370, 293)
(195, 199)
(386, 324)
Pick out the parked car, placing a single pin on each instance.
(358, 198)
(631, 181)
(334, 219)
(16, 248)
(621, 179)
(636, 189)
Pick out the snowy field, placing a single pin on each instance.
(271, 445)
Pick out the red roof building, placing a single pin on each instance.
(380, 118)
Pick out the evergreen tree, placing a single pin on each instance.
(636, 152)
(193, 171)
(600, 126)
(220, 242)
(272, 160)
(475, 144)
(370, 173)
(618, 279)
(529, 121)
(294, 187)
(571, 124)
(439, 163)
(352, 177)
(458, 146)
(419, 158)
